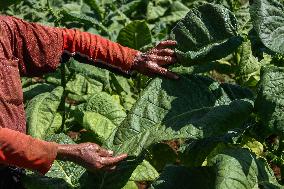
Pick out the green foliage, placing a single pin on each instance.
(227, 167)
(161, 114)
(268, 18)
(42, 116)
(68, 171)
(6, 3)
(207, 33)
(135, 35)
(144, 172)
(62, 175)
(248, 69)
(205, 130)
(269, 103)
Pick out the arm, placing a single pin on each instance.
(24, 151)
(123, 58)
(39, 49)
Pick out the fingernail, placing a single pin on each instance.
(110, 152)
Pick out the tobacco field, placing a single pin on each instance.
(220, 125)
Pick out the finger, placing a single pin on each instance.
(165, 52)
(113, 160)
(162, 60)
(105, 153)
(165, 44)
(162, 71)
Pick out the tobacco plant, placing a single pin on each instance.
(219, 126)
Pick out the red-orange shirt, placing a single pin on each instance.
(29, 49)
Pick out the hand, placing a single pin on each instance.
(89, 155)
(151, 62)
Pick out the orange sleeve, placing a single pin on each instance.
(98, 48)
(24, 151)
(39, 48)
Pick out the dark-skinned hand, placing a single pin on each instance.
(89, 155)
(150, 63)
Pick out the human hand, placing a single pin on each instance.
(150, 63)
(89, 155)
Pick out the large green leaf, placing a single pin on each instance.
(228, 167)
(68, 171)
(33, 90)
(161, 154)
(157, 8)
(101, 114)
(111, 180)
(238, 168)
(131, 170)
(135, 35)
(100, 126)
(120, 84)
(62, 175)
(208, 32)
(167, 11)
(81, 85)
(269, 103)
(68, 16)
(92, 72)
(104, 104)
(144, 172)
(268, 21)
(192, 107)
(42, 116)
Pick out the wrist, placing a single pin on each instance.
(136, 61)
(66, 152)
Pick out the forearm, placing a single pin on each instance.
(39, 47)
(66, 152)
(24, 151)
(98, 48)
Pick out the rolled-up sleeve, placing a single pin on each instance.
(24, 151)
(39, 48)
